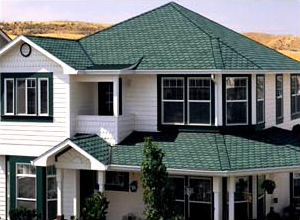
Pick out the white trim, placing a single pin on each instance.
(5, 97)
(42, 159)
(69, 69)
(39, 97)
(173, 171)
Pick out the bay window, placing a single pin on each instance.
(27, 95)
(260, 99)
(295, 96)
(236, 100)
(279, 99)
(26, 186)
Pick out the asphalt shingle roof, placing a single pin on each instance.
(215, 151)
(168, 37)
(93, 145)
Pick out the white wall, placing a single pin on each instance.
(141, 100)
(282, 191)
(270, 105)
(33, 138)
(122, 203)
(69, 192)
(2, 188)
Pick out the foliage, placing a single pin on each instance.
(24, 214)
(95, 207)
(158, 193)
(268, 185)
(131, 216)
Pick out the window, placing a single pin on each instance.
(173, 100)
(105, 98)
(51, 193)
(295, 96)
(236, 100)
(296, 185)
(260, 99)
(199, 100)
(27, 96)
(26, 186)
(279, 99)
(118, 181)
(9, 96)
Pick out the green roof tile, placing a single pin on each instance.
(168, 37)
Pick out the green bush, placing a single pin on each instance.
(24, 214)
(95, 207)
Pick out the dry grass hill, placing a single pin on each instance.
(286, 44)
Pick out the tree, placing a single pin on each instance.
(95, 207)
(158, 195)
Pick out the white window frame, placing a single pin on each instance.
(239, 101)
(261, 100)
(17, 79)
(39, 97)
(174, 100)
(49, 200)
(294, 94)
(35, 96)
(25, 175)
(5, 96)
(198, 101)
(279, 97)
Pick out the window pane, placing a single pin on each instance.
(236, 88)
(31, 96)
(260, 111)
(21, 107)
(178, 184)
(260, 87)
(25, 169)
(199, 112)
(51, 188)
(52, 210)
(199, 89)
(9, 96)
(237, 113)
(293, 105)
(173, 112)
(26, 187)
(279, 85)
(26, 204)
(43, 96)
(201, 190)
(173, 89)
(296, 187)
(279, 108)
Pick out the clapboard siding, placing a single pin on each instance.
(140, 99)
(69, 192)
(2, 188)
(34, 138)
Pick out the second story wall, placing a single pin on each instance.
(28, 138)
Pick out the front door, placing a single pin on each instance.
(105, 98)
(261, 200)
(88, 183)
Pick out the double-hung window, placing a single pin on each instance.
(296, 185)
(199, 100)
(236, 100)
(260, 99)
(279, 99)
(295, 96)
(27, 94)
(173, 100)
(26, 186)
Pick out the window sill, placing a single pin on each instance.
(279, 121)
(295, 116)
(18, 118)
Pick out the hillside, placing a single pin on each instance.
(286, 44)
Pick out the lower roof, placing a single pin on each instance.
(217, 151)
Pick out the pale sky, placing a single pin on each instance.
(269, 16)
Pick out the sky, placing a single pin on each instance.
(268, 16)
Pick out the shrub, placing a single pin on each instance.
(24, 214)
(95, 207)
(131, 216)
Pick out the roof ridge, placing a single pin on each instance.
(48, 37)
(215, 54)
(224, 151)
(129, 19)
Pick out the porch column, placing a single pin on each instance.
(59, 181)
(217, 189)
(254, 197)
(116, 96)
(101, 180)
(231, 191)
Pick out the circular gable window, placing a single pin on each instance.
(25, 50)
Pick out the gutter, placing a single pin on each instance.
(224, 173)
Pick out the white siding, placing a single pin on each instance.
(69, 192)
(2, 188)
(282, 191)
(122, 203)
(141, 100)
(270, 105)
(32, 138)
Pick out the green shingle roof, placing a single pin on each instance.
(169, 37)
(93, 145)
(215, 151)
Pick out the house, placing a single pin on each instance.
(74, 114)
(4, 39)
